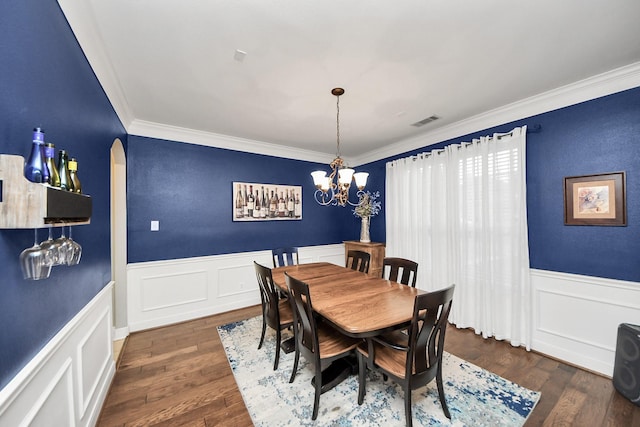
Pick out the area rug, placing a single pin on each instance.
(475, 396)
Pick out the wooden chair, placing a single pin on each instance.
(319, 343)
(276, 312)
(415, 359)
(284, 256)
(358, 260)
(407, 270)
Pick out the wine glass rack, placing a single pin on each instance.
(25, 204)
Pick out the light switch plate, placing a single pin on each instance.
(155, 225)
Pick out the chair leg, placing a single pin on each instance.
(264, 328)
(318, 392)
(362, 378)
(278, 336)
(443, 402)
(407, 405)
(296, 357)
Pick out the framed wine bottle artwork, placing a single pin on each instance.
(266, 202)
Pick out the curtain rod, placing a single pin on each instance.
(537, 128)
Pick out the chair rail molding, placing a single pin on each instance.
(576, 318)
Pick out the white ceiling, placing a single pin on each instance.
(170, 64)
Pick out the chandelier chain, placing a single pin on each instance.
(338, 124)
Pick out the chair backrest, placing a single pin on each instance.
(407, 270)
(304, 323)
(426, 335)
(284, 256)
(269, 296)
(358, 260)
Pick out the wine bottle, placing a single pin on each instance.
(273, 205)
(63, 169)
(298, 206)
(35, 170)
(290, 204)
(73, 173)
(256, 207)
(251, 202)
(245, 206)
(239, 203)
(263, 205)
(282, 205)
(49, 154)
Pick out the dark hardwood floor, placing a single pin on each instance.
(179, 375)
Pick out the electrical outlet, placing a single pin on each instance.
(155, 225)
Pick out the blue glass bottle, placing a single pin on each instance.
(35, 169)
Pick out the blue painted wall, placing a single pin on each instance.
(188, 188)
(598, 136)
(45, 80)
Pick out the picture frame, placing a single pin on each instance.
(253, 201)
(598, 199)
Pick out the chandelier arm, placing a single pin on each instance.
(323, 198)
(359, 194)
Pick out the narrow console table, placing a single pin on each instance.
(376, 250)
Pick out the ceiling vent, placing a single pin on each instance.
(425, 121)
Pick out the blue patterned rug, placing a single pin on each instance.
(475, 396)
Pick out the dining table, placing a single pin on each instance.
(356, 304)
(359, 305)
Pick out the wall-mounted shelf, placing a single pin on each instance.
(24, 204)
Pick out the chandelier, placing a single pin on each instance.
(334, 189)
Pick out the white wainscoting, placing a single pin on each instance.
(164, 292)
(66, 383)
(576, 318)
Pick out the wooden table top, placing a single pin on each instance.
(358, 304)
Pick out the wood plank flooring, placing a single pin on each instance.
(179, 376)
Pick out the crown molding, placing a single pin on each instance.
(614, 81)
(81, 19)
(190, 136)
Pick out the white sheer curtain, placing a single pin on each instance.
(461, 214)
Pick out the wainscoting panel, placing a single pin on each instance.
(94, 359)
(66, 383)
(576, 318)
(171, 290)
(164, 292)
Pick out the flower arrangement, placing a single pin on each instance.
(368, 206)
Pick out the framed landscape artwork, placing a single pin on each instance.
(266, 202)
(595, 199)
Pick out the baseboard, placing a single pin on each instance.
(120, 333)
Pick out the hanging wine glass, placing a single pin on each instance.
(64, 248)
(34, 262)
(52, 248)
(76, 251)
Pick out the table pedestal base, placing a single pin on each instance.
(288, 345)
(337, 372)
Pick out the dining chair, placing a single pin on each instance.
(407, 270)
(276, 312)
(358, 260)
(284, 256)
(319, 343)
(412, 360)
